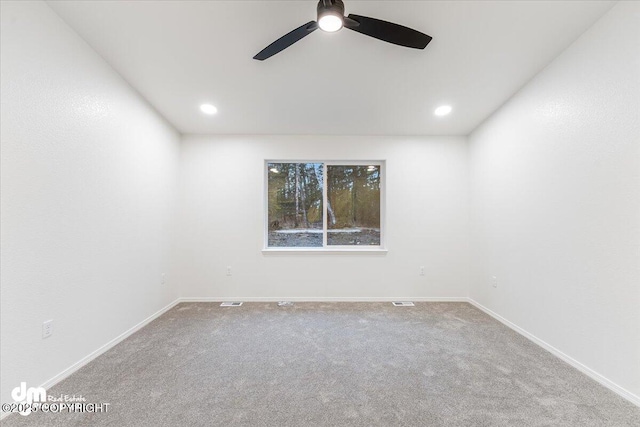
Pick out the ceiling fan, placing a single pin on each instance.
(331, 18)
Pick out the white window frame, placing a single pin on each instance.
(380, 249)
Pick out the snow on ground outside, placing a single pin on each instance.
(317, 230)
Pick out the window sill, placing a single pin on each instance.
(324, 251)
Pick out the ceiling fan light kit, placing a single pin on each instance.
(331, 19)
(330, 15)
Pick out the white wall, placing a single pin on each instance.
(555, 184)
(221, 220)
(89, 173)
(88, 180)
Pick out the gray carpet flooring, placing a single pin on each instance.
(333, 364)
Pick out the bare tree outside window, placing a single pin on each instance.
(295, 204)
(354, 200)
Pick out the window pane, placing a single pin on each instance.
(353, 205)
(295, 204)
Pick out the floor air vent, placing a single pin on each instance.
(231, 304)
(285, 303)
(403, 303)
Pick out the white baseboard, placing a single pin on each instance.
(79, 364)
(568, 359)
(324, 299)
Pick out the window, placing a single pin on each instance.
(334, 205)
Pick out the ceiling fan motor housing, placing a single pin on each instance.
(330, 7)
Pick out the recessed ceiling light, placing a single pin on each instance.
(442, 110)
(208, 109)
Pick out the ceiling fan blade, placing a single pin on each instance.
(387, 31)
(287, 40)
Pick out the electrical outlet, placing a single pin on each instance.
(494, 281)
(422, 270)
(228, 270)
(47, 328)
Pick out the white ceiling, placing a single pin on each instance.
(181, 54)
